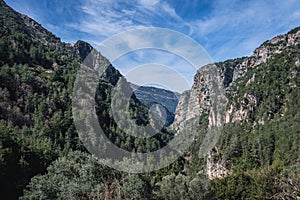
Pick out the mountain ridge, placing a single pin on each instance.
(255, 157)
(233, 69)
(32, 27)
(254, 99)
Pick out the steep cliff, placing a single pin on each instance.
(238, 94)
(196, 101)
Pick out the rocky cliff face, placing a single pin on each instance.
(196, 101)
(215, 165)
(225, 76)
(193, 103)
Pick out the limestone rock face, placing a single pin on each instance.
(197, 101)
(276, 46)
(215, 167)
(213, 84)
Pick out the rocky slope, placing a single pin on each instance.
(195, 101)
(234, 105)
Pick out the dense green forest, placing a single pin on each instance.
(42, 157)
(36, 116)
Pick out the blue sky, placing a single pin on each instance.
(224, 28)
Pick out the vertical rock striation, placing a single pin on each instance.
(214, 83)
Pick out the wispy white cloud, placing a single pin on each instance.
(147, 3)
(225, 28)
(231, 29)
(104, 18)
(101, 19)
(237, 28)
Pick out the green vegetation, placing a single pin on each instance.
(36, 122)
(80, 176)
(184, 187)
(295, 30)
(262, 148)
(41, 156)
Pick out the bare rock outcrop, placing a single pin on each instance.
(214, 82)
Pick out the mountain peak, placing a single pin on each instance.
(83, 48)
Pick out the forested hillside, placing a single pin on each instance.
(257, 153)
(37, 75)
(42, 157)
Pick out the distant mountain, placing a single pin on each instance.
(153, 95)
(167, 98)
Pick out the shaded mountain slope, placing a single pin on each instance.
(37, 73)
